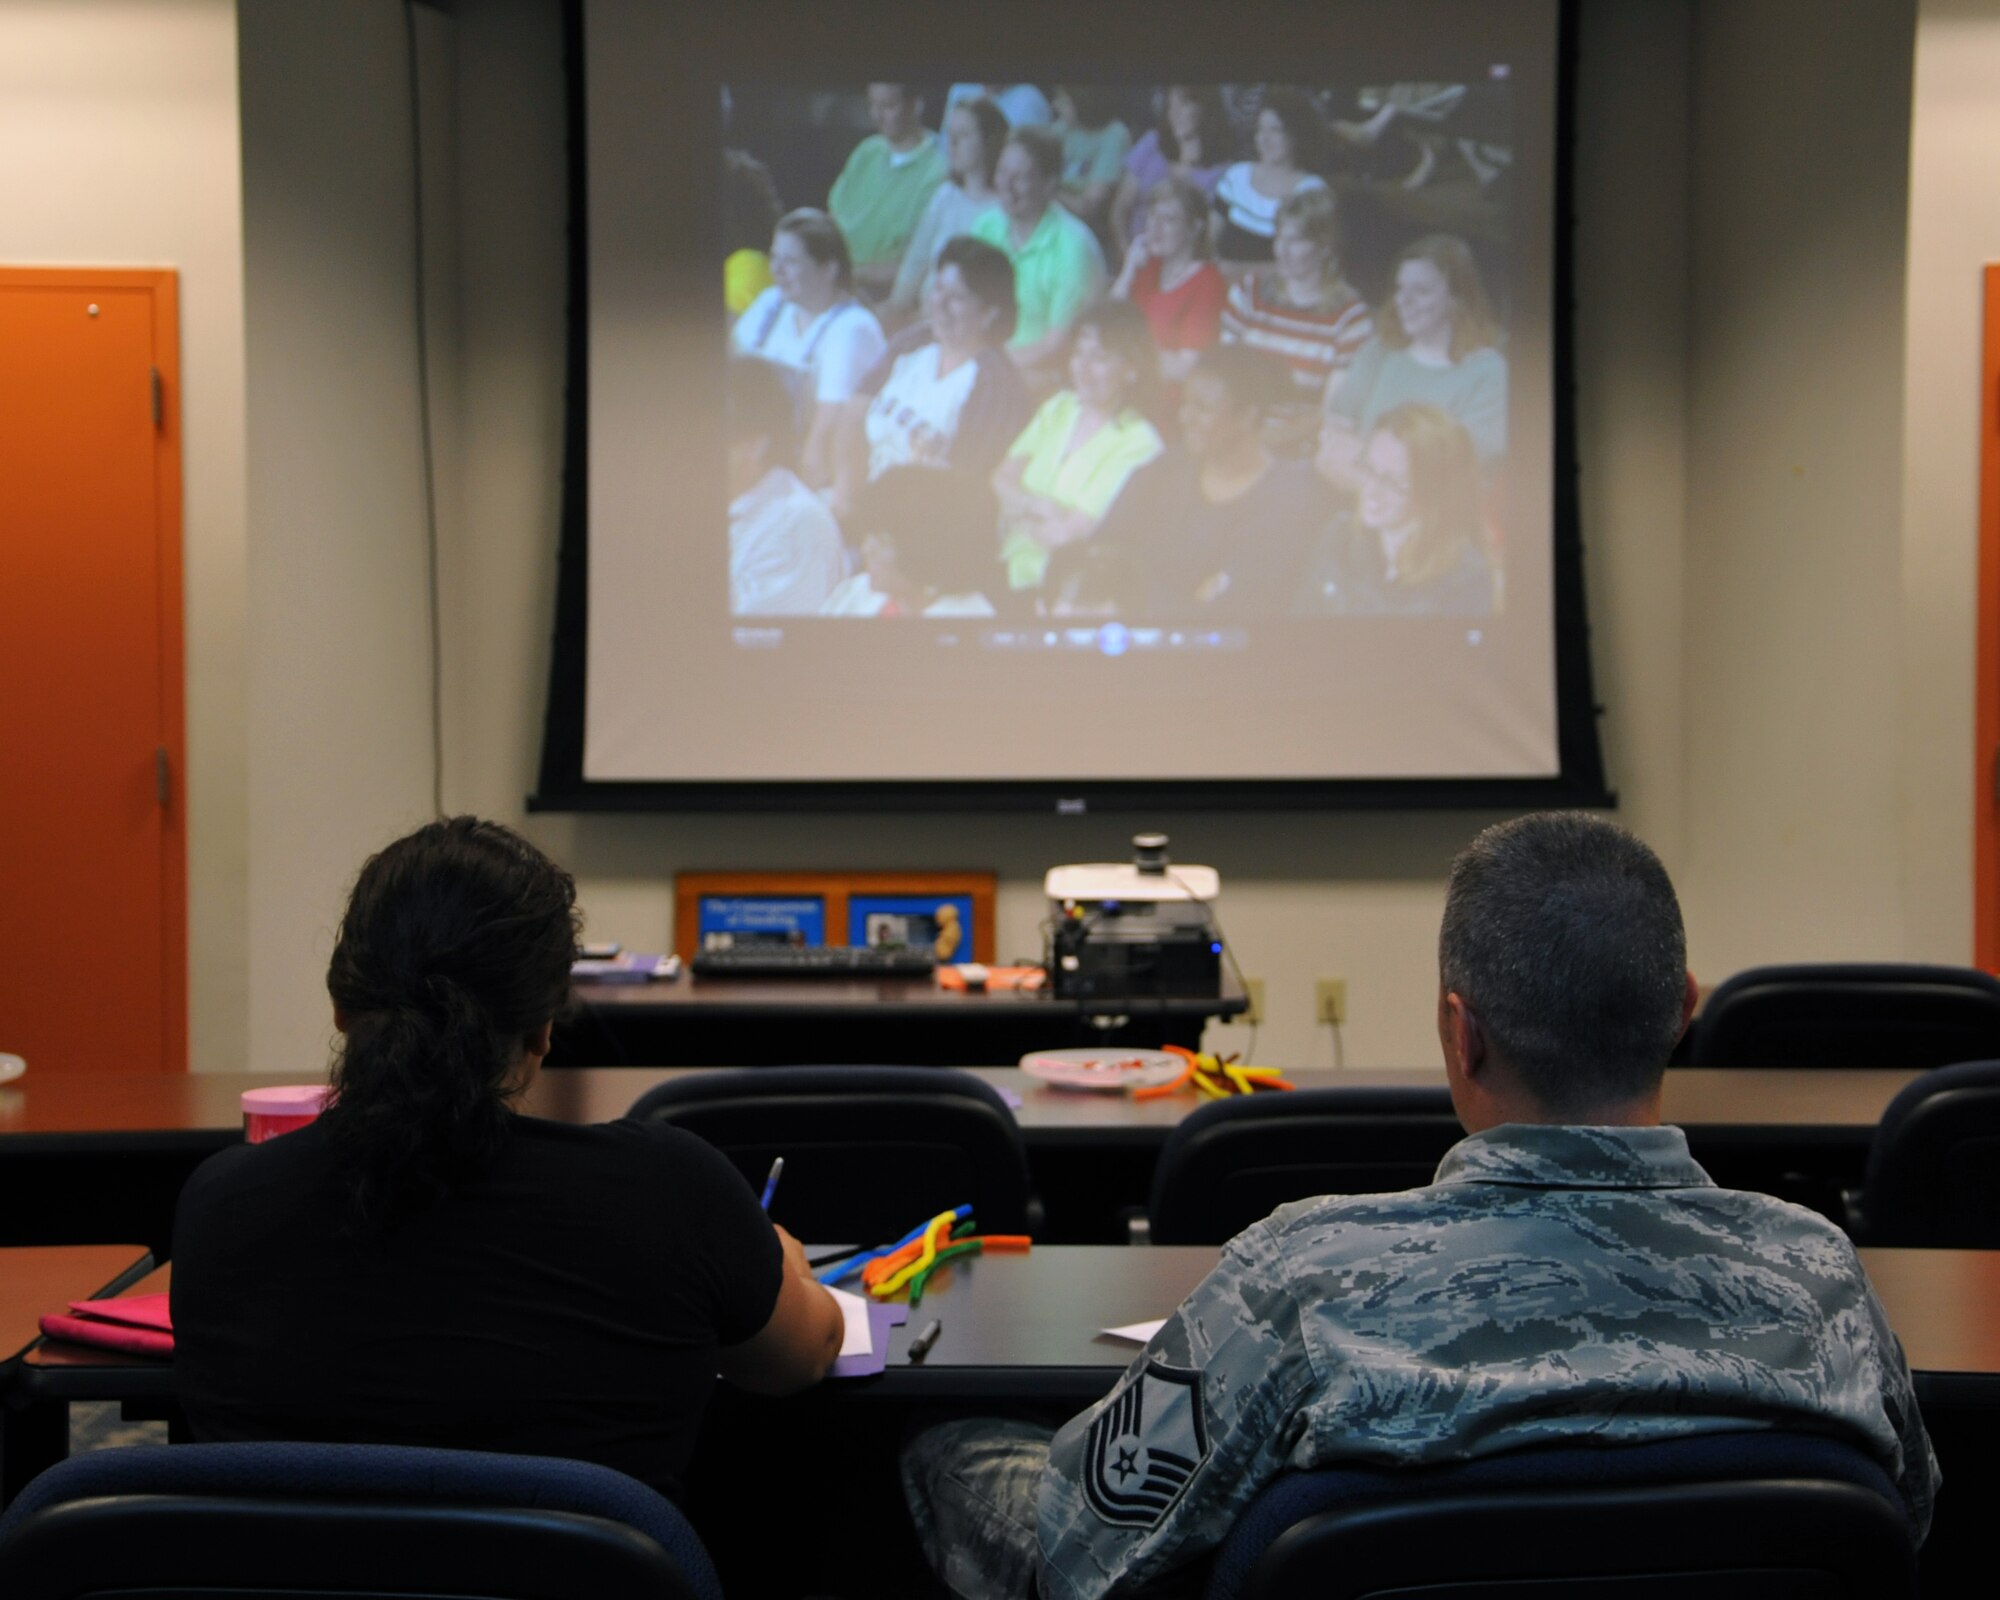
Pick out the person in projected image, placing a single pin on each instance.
(1168, 275)
(785, 553)
(1221, 527)
(1023, 104)
(1188, 142)
(1094, 582)
(1095, 144)
(1290, 144)
(944, 394)
(975, 132)
(1414, 543)
(810, 324)
(1062, 474)
(922, 551)
(750, 210)
(1302, 309)
(1058, 265)
(1436, 343)
(886, 184)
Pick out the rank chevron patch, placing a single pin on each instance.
(1145, 1446)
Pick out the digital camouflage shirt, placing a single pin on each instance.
(1552, 1284)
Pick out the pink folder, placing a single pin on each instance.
(136, 1323)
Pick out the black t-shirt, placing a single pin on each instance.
(1233, 561)
(567, 1301)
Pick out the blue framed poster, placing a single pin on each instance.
(733, 919)
(941, 923)
(948, 913)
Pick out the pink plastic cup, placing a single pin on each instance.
(270, 1112)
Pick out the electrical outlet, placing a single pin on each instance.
(1254, 989)
(1330, 1000)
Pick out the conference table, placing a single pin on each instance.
(35, 1281)
(1023, 1335)
(695, 1021)
(1029, 1328)
(199, 1112)
(103, 1156)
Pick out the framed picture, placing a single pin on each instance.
(951, 913)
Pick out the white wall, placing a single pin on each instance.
(1782, 636)
(339, 643)
(1794, 669)
(118, 147)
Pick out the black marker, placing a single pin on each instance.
(921, 1345)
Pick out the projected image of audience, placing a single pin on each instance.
(1168, 355)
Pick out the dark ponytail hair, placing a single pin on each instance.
(455, 948)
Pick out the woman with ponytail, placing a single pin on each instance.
(426, 1265)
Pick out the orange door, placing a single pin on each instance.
(93, 948)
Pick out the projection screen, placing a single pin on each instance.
(1182, 408)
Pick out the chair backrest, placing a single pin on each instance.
(1849, 1015)
(1232, 1162)
(869, 1151)
(1736, 1516)
(343, 1522)
(1934, 1169)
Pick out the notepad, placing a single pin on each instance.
(858, 1335)
(865, 1325)
(627, 968)
(1137, 1332)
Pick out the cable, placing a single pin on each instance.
(424, 413)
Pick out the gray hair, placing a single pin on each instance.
(1562, 933)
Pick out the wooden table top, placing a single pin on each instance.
(1045, 1309)
(894, 995)
(143, 1110)
(36, 1280)
(1831, 1099)
(1012, 1321)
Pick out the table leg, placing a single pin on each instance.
(33, 1438)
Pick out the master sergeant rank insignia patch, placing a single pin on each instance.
(1145, 1446)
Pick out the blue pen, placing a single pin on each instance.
(771, 1183)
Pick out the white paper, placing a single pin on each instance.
(858, 1339)
(1137, 1332)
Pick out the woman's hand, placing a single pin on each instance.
(1056, 526)
(1135, 258)
(1015, 501)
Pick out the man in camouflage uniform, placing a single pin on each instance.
(1571, 1274)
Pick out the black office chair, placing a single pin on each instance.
(1933, 1178)
(1232, 1162)
(1849, 1015)
(869, 1151)
(1736, 1516)
(343, 1522)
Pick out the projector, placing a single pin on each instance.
(1133, 930)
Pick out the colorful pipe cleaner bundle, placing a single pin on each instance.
(1215, 1077)
(910, 1261)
